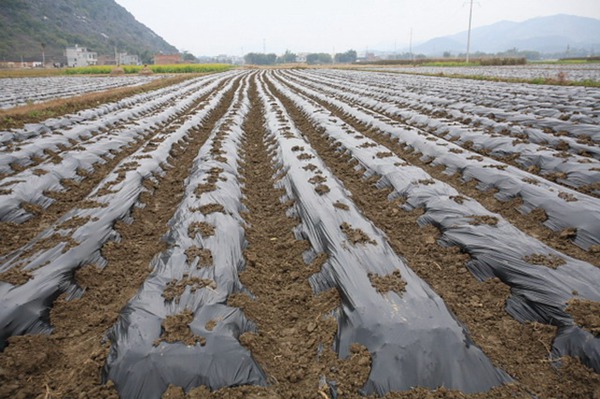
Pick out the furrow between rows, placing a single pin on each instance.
(574, 171)
(556, 110)
(76, 239)
(398, 323)
(538, 293)
(178, 329)
(578, 220)
(32, 185)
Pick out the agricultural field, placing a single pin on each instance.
(20, 91)
(532, 72)
(305, 233)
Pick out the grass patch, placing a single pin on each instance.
(132, 69)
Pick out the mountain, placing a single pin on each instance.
(544, 34)
(100, 25)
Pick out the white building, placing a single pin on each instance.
(128, 59)
(301, 58)
(80, 57)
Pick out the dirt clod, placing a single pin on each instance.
(391, 282)
(205, 229)
(175, 328)
(176, 288)
(356, 236)
(477, 220)
(551, 261)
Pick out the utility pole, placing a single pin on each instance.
(43, 55)
(469, 34)
(410, 46)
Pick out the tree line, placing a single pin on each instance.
(288, 57)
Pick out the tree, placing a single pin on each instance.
(146, 57)
(188, 57)
(260, 58)
(287, 58)
(319, 58)
(349, 57)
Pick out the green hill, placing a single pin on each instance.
(101, 25)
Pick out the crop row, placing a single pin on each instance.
(19, 91)
(574, 170)
(538, 294)
(193, 321)
(557, 72)
(77, 238)
(565, 209)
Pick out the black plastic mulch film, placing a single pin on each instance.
(413, 338)
(25, 308)
(537, 293)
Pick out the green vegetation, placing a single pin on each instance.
(349, 57)
(319, 59)
(287, 58)
(572, 61)
(131, 69)
(260, 59)
(32, 26)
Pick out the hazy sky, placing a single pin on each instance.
(237, 27)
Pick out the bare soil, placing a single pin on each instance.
(13, 236)
(17, 117)
(68, 362)
(295, 327)
(522, 350)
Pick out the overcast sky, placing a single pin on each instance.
(236, 27)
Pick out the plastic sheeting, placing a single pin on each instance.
(32, 185)
(413, 338)
(34, 140)
(583, 213)
(18, 91)
(24, 309)
(573, 72)
(538, 106)
(575, 171)
(538, 293)
(141, 368)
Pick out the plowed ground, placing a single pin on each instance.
(291, 319)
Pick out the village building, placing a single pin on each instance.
(80, 57)
(128, 59)
(121, 59)
(301, 58)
